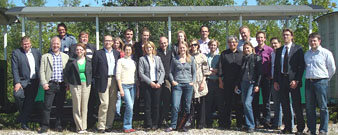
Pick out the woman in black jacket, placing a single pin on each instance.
(78, 74)
(249, 81)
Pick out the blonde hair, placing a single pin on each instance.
(249, 44)
(118, 39)
(185, 36)
(188, 59)
(147, 44)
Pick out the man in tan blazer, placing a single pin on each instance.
(51, 78)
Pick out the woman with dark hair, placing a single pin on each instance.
(182, 76)
(250, 76)
(151, 72)
(78, 74)
(200, 85)
(126, 78)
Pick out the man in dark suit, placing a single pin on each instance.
(288, 72)
(25, 69)
(104, 68)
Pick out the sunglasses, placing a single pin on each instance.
(194, 44)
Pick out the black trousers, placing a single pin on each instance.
(165, 102)
(25, 105)
(57, 91)
(266, 95)
(232, 101)
(296, 104)
(152, 105)
(214, 99)
(198, 108)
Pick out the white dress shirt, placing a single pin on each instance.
(110, 61)
(204, 48)
(31, 62)
(152, 68)
(319, 64)
(253, 41)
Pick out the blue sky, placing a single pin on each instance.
(54, 3)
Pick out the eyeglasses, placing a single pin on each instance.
(194, 44)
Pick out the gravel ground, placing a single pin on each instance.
(333, 130)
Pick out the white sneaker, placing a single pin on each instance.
(82, 131)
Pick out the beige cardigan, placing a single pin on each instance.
(46, 66)
(202, 69)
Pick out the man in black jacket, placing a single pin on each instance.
(288, 73)
(166, 56)
(104, 68)
(25, 69)
(229, 71)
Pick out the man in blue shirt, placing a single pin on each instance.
(66, 39)
(320, 67)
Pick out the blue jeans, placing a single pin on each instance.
(247, 97)
(185, 91)
(129, 96)
(277, 120)
(316, 92)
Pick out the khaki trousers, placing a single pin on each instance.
(80, 97)
(108, 105)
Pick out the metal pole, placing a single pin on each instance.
(5, 43)
(136, 38)
(23, 31)
(310, 23)
(227, 28)
(169, 30)
(97, 33)
(240, 20)
(240, 25)
(40, 36)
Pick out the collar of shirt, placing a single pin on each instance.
(130, 42)
(29, 51)
(51, 52)
(106, 50)
(204, 42)
(288, 45)
(318, 49)
(64, 37)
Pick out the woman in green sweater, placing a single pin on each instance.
(78, 74)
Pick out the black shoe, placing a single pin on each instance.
(300, 133)
(108, 130)
(42, 130)
(101, 131)
(267, 125)
(58, 129)
(184, 129)
(24, 127)
(286, 131)
(250, 130)
(154, 128)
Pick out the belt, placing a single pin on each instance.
(111, 76)
(314, 79)
(285, 74)
(56, 83)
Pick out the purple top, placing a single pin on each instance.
(265, 53)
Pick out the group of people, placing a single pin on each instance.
(189, 79)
